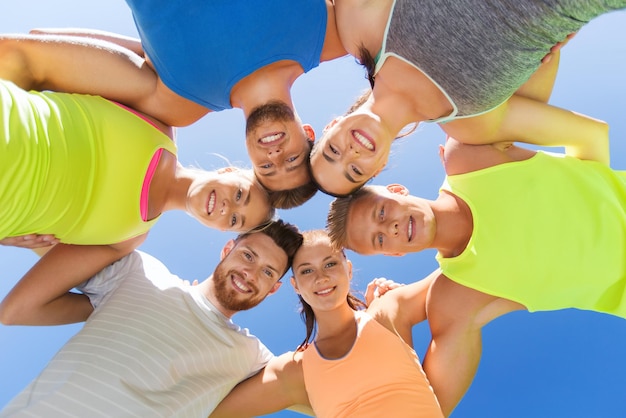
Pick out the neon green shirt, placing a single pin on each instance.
(73, 166)
(549, 233)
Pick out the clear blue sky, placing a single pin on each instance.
(555, 364)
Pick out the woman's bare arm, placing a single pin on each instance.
(128, 42)
(278, 386)
(43, 297)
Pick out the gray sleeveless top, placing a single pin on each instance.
(479, 52)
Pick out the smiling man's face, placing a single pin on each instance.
(389, 223)
(249, 272)
(278, 146)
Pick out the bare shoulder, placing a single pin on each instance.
(461, 158)
(288, 365)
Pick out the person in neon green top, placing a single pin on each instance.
(97, 176)
(514, 229)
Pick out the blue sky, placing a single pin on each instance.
(567, 363)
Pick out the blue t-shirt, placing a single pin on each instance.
(202, 48)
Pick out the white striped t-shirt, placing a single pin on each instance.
(154, 347)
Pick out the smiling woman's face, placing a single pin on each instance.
(228, 201)
(352, 151)
(321, 274)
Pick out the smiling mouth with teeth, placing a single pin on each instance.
(410, 228)
(210, 207)
(270, 139)
(239, 283)
(325, 291)
(364, 141)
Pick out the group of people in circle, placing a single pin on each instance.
(89, 164)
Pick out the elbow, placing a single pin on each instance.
(9, 314)
(15, 66)
(16, 311)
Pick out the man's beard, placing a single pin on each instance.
(271, 111)
(229, 298)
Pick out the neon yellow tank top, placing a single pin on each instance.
(549, 233)
(73, 166)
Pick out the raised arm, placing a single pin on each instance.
(532, 122)
(537, 123)
(456, 315)
(78, 64)
(75, 65)
(128, 42)
(403, 307)
(526, 117)
(43, 297)
(278, 386)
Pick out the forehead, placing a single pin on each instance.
(319, 248)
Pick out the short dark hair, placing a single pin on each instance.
(285, 235)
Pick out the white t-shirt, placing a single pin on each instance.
(153, 347)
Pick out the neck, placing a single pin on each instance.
(394, 111)
(178, 188)
(269, 83)
(331, 324)
(454, 224)
(337, 332)
(362, 23)
(206, 289)
(415, 96)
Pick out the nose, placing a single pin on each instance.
(320, 278)
(354, 150)
(225, 209)
(392, 228)
(274, 154)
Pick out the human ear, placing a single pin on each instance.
(442, 155)
(274, 288)
(397, 188)
(349, 269)
(332, 123)
(309, 131)
(228, 169)
(294, 284)
(227, 248)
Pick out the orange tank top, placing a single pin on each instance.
(381, 376)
